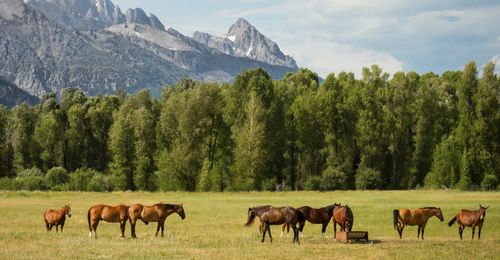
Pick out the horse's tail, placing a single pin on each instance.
(301, 218)
(395, 213)
(452, 221)
(88, 219)
(250, 220)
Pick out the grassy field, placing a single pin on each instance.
(213, 227)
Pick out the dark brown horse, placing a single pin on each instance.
(469, 218)
(277, 216)
(109, 214)
(315, 216)
(156, 213)
(343, 216)
(56, 218)
(417, 217)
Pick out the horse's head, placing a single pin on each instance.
(251, 214)
(482, 211)
(67, 210)
(180, 211)
(439, 214)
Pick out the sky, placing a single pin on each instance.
(338, 35)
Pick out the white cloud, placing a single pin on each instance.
(328, 57)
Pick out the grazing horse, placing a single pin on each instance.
(156, 213)
(56, 217)
(342, 215)
(470, 218)
(420, 216)
(277, 216)
(109, 214)
(315, 216)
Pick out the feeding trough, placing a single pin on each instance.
(352, 236)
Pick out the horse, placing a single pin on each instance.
(277, 216)
(420, 216)
(470, 218)
(107, 213)
(54, 217)
(156, 213)
(315, 216)
(342, 215)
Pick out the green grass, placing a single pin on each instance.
(213, 227)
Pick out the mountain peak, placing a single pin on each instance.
(240, 25)
(137, 15)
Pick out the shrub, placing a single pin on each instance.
(79, 179)
(31, 179)
(30, 172)
(313, 183)
(7, 184)
(100, 182)
(368, 179)
(334, 179)
(56, 176)
(489, 182)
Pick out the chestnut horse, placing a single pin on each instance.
(342, 215)
(420, 216)
(470, 218)
(56, 217)
(315, 216)
(277, 216)
(156, 213)
(109, 214)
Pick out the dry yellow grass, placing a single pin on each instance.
(213, 227)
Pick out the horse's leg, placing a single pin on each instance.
(295, 234)
(479, 231)
(94, 228)
(418, 234)
(323, 229)
(47, 225)
(400, 231)
(264, 233)
(157, 229)
(122, 228)
(460, 230)
(268, 226)
(132, 229)
(282, 229)
(62, 226)
(423, 228)
(57, 229)
(334, 230)
(473, 231)
(162, 227)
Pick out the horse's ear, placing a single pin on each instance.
(181, 205)
(487, 207)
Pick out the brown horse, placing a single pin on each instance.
(420, 216)
(342, 215)
(315, 216)
(277, 216)
(156, 213)
(109, 214)
(56, 217)
(470, 218)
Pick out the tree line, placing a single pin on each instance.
(376, 132)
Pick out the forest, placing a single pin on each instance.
(404, 131)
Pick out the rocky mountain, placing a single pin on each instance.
(11, 95)
(244, 40)
(49, 45)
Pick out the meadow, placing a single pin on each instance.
(213, 227)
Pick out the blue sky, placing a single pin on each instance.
(337, 35)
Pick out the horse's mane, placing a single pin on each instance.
(168, 206)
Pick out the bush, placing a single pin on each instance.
(334, 179)
(489, 182)
(57, 176)
(30, 172)
(7, 184)
(100, 182)
(31, 179)
(368, 179)
(313, 183)
(79, 179)
(31, 183)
